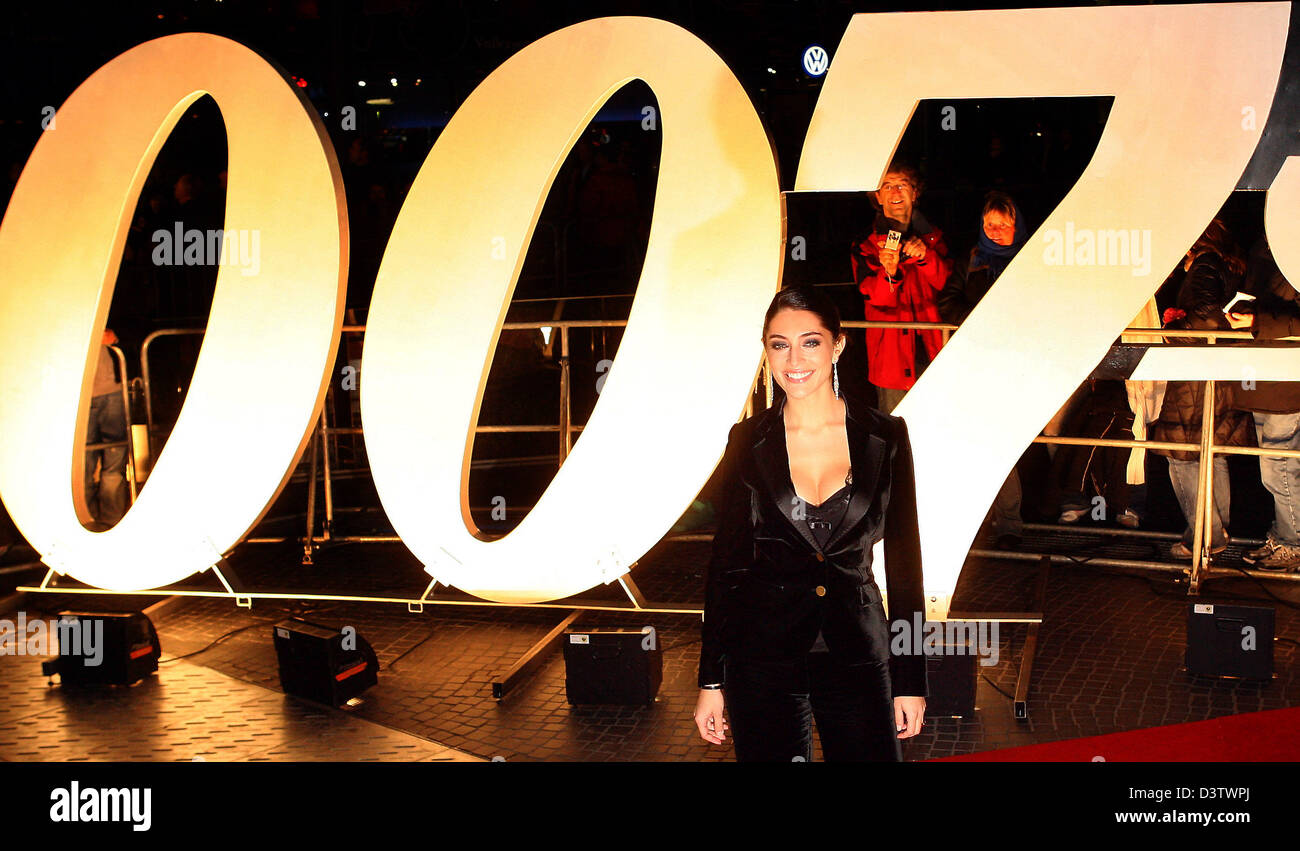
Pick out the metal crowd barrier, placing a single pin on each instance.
(322, 468)
(1201, 569)
(128, 443)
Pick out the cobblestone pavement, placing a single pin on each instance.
(188, 713)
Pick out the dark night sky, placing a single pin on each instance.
(50, 47)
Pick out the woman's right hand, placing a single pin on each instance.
(1241, 321)
(708, 716)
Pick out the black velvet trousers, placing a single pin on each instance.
(771, 706)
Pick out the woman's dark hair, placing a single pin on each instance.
(1218, 240)
(803, 297)
(1000, 202)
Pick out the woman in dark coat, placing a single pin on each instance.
(1003, 232)
(794, 625)
(1214, 272)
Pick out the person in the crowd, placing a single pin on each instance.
(1275, 406)
(1002, 233)
(899, 278)
(1081, 474)
(1145, 398)
(1106, 483)
(106, 497)
(1214, 272)
(794, 629)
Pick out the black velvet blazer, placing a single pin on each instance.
(770, 588)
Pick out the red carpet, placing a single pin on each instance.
(1272, 736)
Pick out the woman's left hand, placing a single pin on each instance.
(909, 714)
(915, 248)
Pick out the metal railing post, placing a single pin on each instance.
(1203, 540)
(311, 500)
(327, 525)
(144, 374)
(148, 394)
(1203, 525)
(120, 356)
(566, 411)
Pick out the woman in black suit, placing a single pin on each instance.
(794, 626)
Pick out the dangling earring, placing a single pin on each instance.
(835, 377)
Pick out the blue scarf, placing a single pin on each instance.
(996, 257)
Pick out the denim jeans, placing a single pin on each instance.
(1006, 507)
(1183, 475)
(107, 500)
(1280, 475)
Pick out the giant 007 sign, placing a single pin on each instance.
(1182, 77)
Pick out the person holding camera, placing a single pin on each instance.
(900, 268)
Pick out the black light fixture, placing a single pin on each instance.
(104, 648)
(325, 664)
(614, 666)
(1230, 640)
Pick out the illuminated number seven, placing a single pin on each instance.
(1162, 167)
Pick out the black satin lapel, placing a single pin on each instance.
(774, 465)
(866, 456)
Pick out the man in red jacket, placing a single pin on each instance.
(900, 269)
